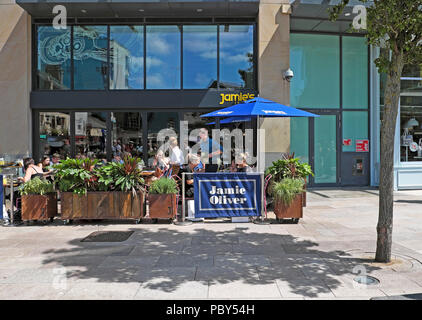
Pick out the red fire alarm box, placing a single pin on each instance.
(362, 145)
(347, 142)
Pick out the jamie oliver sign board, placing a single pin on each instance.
(227, 194)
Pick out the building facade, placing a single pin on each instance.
(120, 72)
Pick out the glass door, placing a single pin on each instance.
(324, 149)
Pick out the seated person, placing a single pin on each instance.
(45, 163)
(194, 165)
(32, 171)
(161, 164)
(239, 163)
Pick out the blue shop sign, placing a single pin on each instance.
(227, 194)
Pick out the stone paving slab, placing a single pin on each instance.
(241, 289)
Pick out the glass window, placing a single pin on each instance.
(315, 61)
(299, 138)
(54, 134)
(126, 134)
(163, 57)
(236, 56)
(90, 134)
(355, 73)
(90, 57)
(355, 127)
(411, 118)
(126, 57)
(199, 57)
(156, 122)
(53, 61)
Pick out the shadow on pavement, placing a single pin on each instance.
(165, 258)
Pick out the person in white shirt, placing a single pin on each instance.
(176, 155)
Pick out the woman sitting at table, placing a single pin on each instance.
(161, 164)
(32, 171)
(195, 166)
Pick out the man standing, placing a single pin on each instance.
(209, 148)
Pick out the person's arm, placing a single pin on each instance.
(28, 174)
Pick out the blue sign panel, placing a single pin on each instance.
(227, 194)
(1, 197)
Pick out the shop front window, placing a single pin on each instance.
(126, 135)
(411, 114)
(236, 56)
(54, 135)
(90, 57)
(53, 61)
(126, 57)
(90, 135)
(199, 57)
(163, 57)
(156, 122)
(315, 60)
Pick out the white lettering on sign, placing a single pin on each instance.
(274, 111)
(218, 195)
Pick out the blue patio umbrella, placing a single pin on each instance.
(259, 107)
(233, 119)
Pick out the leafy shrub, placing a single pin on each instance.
(163, 186)
(289, 167)
(36, 186)
(123, 177)
(286, 190)
(76, 175)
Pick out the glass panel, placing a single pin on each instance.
(411, 121)
(355, 126)
(53, 71)
(54, 135)
(414, 71)
(236, 56)
(163, 57)
(90, 134)
(355, 73)
(199, 57)
(126, 134)
(299, 138)
(325, 149)
(90, 57)
(315, 61)
(126, 57)
(156, 122)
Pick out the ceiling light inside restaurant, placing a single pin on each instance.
(141, 10)
(412, 123)
(199, 10)
(84, 11)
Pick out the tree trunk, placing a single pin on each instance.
(386, 186)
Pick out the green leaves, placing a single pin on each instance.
(286, 190)
(290, 167)
(163, 186)
(36, 186)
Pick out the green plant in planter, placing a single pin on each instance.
(123, 177)
(163, 186)
(36, 186)
(290, 167)
(286, 190)
(76, 175)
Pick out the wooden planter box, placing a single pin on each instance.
(102, 205)
(295, 210)
(37, 207)
(162, 206)
(304, 195)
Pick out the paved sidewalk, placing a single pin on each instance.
(317, 258)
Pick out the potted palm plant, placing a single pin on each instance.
(39, 200)
(162, 198)
(287, 196)
(112, 191)
(290, 167)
